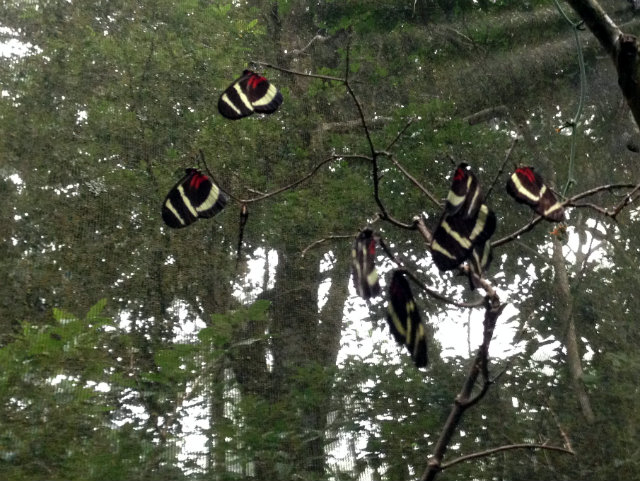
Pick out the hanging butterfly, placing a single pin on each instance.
(194, 196)
(527, 187)
(250, 93)
(464, 196)
(363, 256)
(404, 319)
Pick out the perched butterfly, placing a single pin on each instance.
(466, 222)
(250, 93)
(194, 196)
(404, 319)
(451, 246)
(527, 187)
(363, 255)
(465, 196)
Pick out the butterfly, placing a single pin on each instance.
(527, 187)
(466, 223)
(363, 255)
(194, 196)
(250, 93)
(404, 319)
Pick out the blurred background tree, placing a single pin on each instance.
(271, 363)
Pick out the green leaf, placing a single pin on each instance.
(96, 309)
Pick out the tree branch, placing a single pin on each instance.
(434, 466)
(571, 202)
(623, 49)
(324, 239)
(489, 452)
(412, 179)
(299, 181)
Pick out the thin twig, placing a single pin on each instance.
(411, 178)
(626, 201)
(301, 180)
(301, 74)
(504, 162)
(489, 452)
(402, 131)
(576, 118)
(361, 112)
(324, 239)
(565, 437)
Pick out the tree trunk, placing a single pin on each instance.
(565, 314)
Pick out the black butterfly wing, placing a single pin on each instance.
(365, 275)
(251, 92)
(451, 244)
(526, 186)
(464, 197)
(234, 103)
(404, 319)
(195, 195)
(263, 95)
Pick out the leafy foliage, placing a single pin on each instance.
(113, 99)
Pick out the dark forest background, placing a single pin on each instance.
(108, 102)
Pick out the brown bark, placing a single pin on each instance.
(623, 49)
(565, 314)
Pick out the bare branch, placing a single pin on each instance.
(350, 124)
(486, 114)
(490, 452)
(402, 131)
(462, 403)
(626, 201)
(413, 180)
(504, 162)
(571, 202)
(324, 239)
(300, 51)
(563, 433)
(301, 180)
(301, 74)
